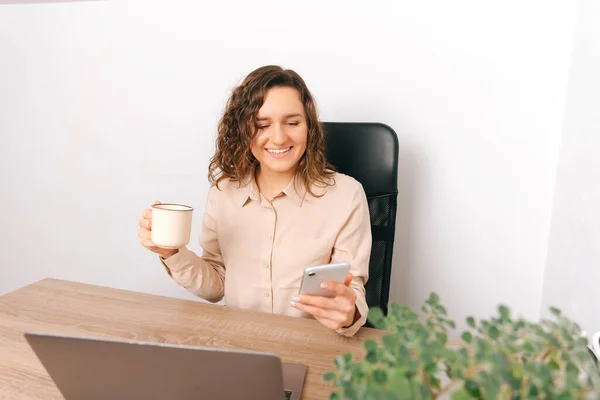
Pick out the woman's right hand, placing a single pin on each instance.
(146, 238)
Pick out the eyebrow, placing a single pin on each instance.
(285, 117)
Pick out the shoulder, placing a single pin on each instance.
(227, 186)
(227, 189)
(346, 185)
(340, 188)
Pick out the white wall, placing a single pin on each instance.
(573, 269)
(107, 106)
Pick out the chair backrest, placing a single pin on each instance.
(368, 152)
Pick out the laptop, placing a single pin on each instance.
(90, 368)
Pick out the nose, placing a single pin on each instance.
(278, 136)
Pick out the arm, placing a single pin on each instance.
(353, 245)
(347, 311)
(203, 276)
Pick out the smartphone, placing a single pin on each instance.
(314, 276)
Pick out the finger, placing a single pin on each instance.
(319, 312)
(149, 244)
(145, 224)
(340, 304)
(157, 202)
(348, 279)
(144, 234)
(338, 288)
(318, 301)
(147, 214)
(333, 325)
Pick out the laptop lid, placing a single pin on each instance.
(90, 368)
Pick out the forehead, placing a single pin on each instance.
(280, 102)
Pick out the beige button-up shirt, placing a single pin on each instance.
(255, 251)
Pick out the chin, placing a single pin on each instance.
(281, 168)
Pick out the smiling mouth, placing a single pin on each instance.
(279, 151)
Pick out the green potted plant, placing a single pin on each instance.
(499, 358)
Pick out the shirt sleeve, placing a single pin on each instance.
(203, 276)
(353, 245)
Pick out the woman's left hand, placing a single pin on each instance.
(333, 312)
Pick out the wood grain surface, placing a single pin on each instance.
(63, 307)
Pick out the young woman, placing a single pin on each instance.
(275, 207)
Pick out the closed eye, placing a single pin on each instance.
(294, 123)
(263, 126)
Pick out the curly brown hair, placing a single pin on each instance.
(233, 158)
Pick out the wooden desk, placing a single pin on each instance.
(73, 308)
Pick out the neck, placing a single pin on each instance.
(272, 183)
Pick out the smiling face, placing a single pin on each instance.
(271, 128)
(281, 132)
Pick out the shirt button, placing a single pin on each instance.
(270, 237)
(266, 265)
(266, 294)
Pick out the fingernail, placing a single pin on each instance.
(292, 304)
(323, 285)
(296, 299)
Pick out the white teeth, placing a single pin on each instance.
(273, 151)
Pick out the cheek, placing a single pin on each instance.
(300, 138)
(258, 143)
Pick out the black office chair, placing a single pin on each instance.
(368, 152)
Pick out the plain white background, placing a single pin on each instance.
(107, 106)
(573, 268)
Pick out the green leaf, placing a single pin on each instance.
(431, 368)
(357, 372)
(441, 337)
(533, 392)
(472, 388)
(555, 311)
(397, 380)
(408, 374)
(433, 299)
(491, 389)
(391, 342)
(519, 325)
(329, 376)
(528, 347)
(380, 376)
(334, 396)
(370, 345)
(339, 362)
(425, 392)
(461, 394)
(504, 313)
(471, 322)
(372, 357)
(377, 318)
(347, 357)
(494, 333)
(572, 369)
(467, 337)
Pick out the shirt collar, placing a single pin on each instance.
(296, 191)
(248, 190)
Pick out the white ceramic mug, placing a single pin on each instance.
(171, 225)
